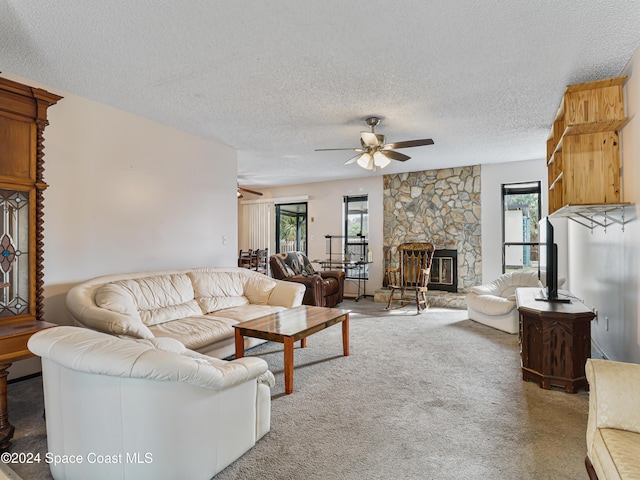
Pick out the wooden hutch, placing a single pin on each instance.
(23, 118)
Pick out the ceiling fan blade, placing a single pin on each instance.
(356, 149)
(395, 155)
(353, 159)
(409, 143)
(242, 189)
(370, 139)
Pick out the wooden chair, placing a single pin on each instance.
(261, 260)
(412, 274)
(246, 258)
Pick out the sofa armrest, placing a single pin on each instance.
(340, 276)
(107, 321)
(337, 274)
(314, 288)
(164, 359)
(614, 396)
(488, 289)
(286, 294)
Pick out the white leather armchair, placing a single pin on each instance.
(134, 408)
(613, 428)
(494, 304)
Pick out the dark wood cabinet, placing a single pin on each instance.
(555, 341)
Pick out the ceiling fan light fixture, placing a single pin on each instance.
(365, 161)
(380, 159)
(376, 152)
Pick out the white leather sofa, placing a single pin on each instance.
(494, 304)
(613, 427)
(197, 307)
(130, 408)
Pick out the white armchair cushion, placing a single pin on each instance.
(491, 304)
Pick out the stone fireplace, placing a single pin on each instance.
(441, 207)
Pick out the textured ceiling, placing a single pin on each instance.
(277, 79)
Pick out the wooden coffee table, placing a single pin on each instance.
(290, 326)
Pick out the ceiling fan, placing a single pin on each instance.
(374, 152)
(246, 190)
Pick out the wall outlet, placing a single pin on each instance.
(224, 239)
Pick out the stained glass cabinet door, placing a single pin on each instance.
(15, 254)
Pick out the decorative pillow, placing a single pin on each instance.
(287, 271)
(296, 263)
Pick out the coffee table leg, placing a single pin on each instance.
(345, 335)
(239, 344)
(303, 343)
(288, 365)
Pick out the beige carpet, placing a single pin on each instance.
(430, 396)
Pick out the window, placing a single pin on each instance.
(356, 230)
(356, 216)
(520, 217)
(291, 227)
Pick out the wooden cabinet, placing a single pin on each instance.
(23, 118)
(555, 341)
(583, 149)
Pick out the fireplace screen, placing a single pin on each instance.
(444, 271)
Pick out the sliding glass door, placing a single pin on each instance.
(291, 227)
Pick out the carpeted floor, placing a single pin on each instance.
(430, 396)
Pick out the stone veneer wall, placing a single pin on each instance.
(437, 206)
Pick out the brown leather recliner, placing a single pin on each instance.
(324, 289)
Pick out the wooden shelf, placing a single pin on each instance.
(594, 127)
(584, 144)
(558, 178)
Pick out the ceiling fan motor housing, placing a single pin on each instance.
(373, 122)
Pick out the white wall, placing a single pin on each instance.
(325, 210)
(604, 266)
(492, 177)
(128, 194)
